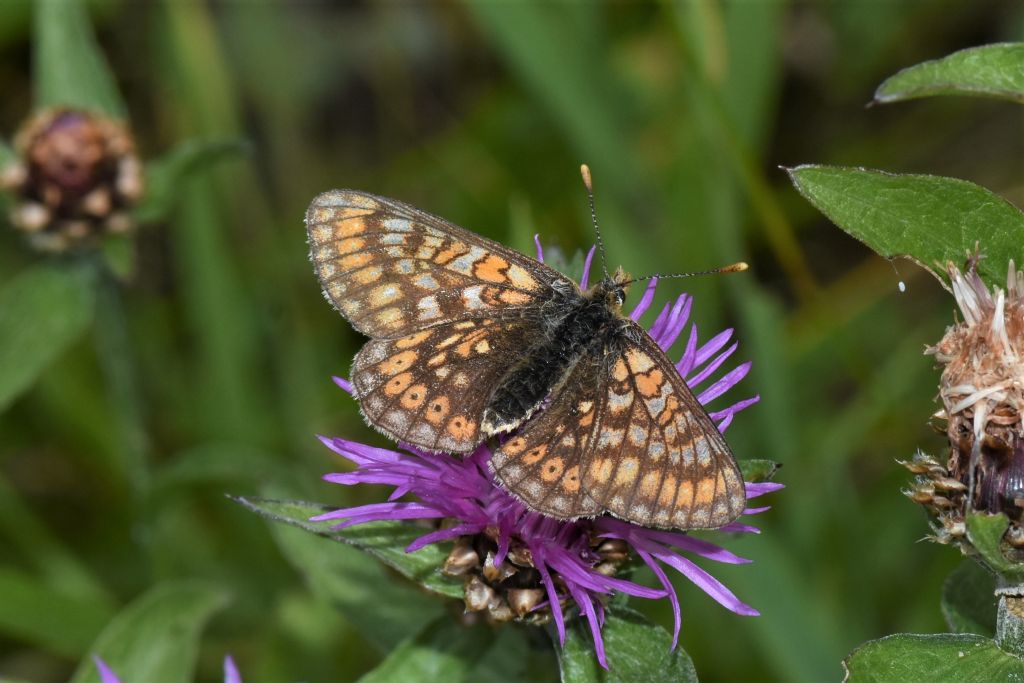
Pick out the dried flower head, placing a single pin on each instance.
(982, 394)
(518, 564)
(75, 178)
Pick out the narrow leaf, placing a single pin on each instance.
(929, 219)
(70, 70)
(42, 312)
(164, 176)
(384, 610)
(156, 637)
(443, 651)
(987, 71)
(637, 650)
(46, 618)
(384, 540)
(917, 658)
(968, 600)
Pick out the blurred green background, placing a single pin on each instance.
(481, 113)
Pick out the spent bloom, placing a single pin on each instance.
(982, 394)
(75, 177)
(519, 564)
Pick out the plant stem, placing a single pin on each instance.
(1010, 619)
(114, 351)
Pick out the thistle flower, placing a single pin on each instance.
(107, 674)
(75, 177)
(519, 564)
(982, 394)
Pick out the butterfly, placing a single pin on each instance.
(470, 340)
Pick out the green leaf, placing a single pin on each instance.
(758, 470)
(637, 650)
(70, 70)
(164, 176)
(384, 610)
(968, 600)
(42, 311)
(985, 532)
(987, 71)
(119, 254)
(6, 153)
(910, 657)
(47, 618)
(443, 651)
(929, 219)
(384, 540)
(156, 637)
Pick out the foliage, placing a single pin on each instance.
(113, 474)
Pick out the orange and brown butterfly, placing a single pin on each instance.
(470, 339)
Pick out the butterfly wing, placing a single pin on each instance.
(392, 269)
(646, 450)
(430, 387)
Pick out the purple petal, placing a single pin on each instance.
(441, 535)
(677, 318)
(107, 674)
(540, 249)
(585, 279)
(760, 488)
(549, 587)
(645, 300)
(587, 605)
(345, 385)
(712, 346)
(724, 384)
(710, 368)
(231, 674)
(689, 358)
(707, 583)
(735, 407)
(673, 597)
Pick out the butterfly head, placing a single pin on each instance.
(612, 290)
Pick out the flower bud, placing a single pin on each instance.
(75, 178)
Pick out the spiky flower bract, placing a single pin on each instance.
(520, 564)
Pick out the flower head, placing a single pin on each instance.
(520, 564)
(75, 177)
(982, 394)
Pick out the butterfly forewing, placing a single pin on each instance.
(393, 270)
(430, 388)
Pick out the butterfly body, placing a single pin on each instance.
(470, 339)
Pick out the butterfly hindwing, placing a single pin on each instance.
(626, 433)
(430, 387)
(392, 269)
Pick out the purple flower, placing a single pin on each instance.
(107, 674)
(521, 564)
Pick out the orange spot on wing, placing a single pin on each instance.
(460, 427)
(398, 384)
(520, 278)
(350, 245)
(601, 470)
(490, 268)
(650, 384)
(705, 492)
(437, 410)
(571, 480)
(398, 362)
(367, 275)
(514, 446)
(413, 339)
(446, 255)
(627, 472)
(639, 361)
(535, 454)
(649, 485)
(356, 260)
(552, 469)
(668, 491)
(414, 396)
(351, 227)
(514, 298)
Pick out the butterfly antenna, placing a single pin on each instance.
(738, 267)
(589, 183)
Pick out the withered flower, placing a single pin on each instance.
(982, 394)
(75, 178)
